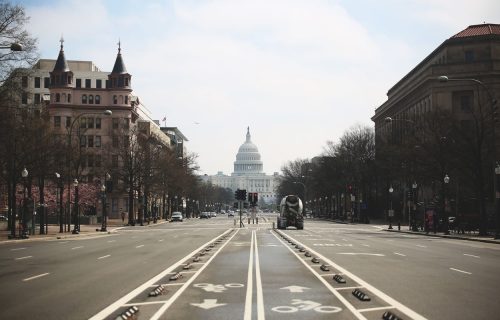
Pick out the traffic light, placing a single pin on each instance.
(240, 194)
(255, 197)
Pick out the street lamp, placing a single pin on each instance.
(59, 195)
(494, 111)
(104, 214)
(413, 225)
(24, 174)
(446, 180)
(13, 47)
(391, 213)
(76, 228)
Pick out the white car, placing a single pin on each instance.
(176, 216)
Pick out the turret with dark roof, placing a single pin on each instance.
(61, 76)
(119, 77)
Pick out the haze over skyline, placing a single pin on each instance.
(298, 73)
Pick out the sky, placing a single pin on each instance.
(299, 73)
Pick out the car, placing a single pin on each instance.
(213, 214)
(3, 218)
(230, 214)
(176, 216)
(204, 215)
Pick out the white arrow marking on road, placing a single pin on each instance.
(364, 254)
(208, 304)
(295, 288)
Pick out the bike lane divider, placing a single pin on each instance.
(359, 296)
(156, 295)
(224, 290)
(290, 290)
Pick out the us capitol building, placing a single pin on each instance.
(247, 173)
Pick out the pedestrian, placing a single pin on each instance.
(123, 216)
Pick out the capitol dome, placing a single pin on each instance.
(248, 158)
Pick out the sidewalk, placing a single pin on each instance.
(460, 236)
(85, 230)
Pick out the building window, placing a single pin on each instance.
(24, 81)
(68, 122)
(91, 99)
(24, 98)
(98, 83)
(97, 99)
(97, 142)
(69, 97)
(57, 121)
(98, 123)
(78, 83)
(114, 161)
(90, 141)
(90, 160)
(469, 56)
(126, 99)
(115, 141)
(58, 97)
(84, 99)
(116, 123)
(98, 160)
(126, 141)
(37, 98)
(83, 123)
(37, 82)
(126, 82)
(465, 104)
(87, 83)
(126, 123)
(83, 141)
(115, 100)
(46, 82)
(90, 123)
(114, 205)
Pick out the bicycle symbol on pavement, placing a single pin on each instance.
(306, 305)
(218, 288)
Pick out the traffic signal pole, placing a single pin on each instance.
(241, 220)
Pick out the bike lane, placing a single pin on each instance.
(220, 291)
(291, 290)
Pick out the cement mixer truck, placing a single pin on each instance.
(290, 213)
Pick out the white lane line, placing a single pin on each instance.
(140, 246)
(17, 249)
(104, 257)
(400, 254)
(63, 242)
(391, 301)
(365, 245)
(362, 254)
(348, 288)
(471, 255)
(258, 280)
(375, 309)
(421, 246)
(458, 270)
(112, 241)
(161, 240)
(22, 258)
(35, 277)
(247, 315)
(77, 248)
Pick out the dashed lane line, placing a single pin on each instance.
(400, 254)
(22, 258)
(36, 277)
(104, 257)
(461, 271)
(17, 249)
(74, 248)
(471, 255)
(139, 246)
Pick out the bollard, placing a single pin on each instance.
(274, 227)
(248, 220)
(257, 220)
(399, 226)
(235, 221)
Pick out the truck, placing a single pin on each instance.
(290, 213)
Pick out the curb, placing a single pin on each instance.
(445, 236)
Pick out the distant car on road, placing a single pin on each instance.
(230, 214)
(176, 216)
(213, 214)
(204, 215)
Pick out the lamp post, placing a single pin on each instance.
(446, 180)
(494, 119)
(390, 213)
(59, 192)
(104, 214)
(413, 226)
(24, 174)
(497, 199)
(76, 228)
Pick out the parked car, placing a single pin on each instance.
(230, 214)
(176, 216)
(204, 215)
(3, 218)
(213, 214)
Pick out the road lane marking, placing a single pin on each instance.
(17, 249)
(139, 246)
(348, 288)
(104, 257)
(77, 248)
(258, 280)
(391, 301)
(22, 258)
(471, 255)
(376, 309)
(421, 246)
(247, 315)
(362, 254)
(36, 277)
(112, 241)
(161, 240)
(400, 254)
(458, 270)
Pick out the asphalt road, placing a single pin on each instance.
(209, 269)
